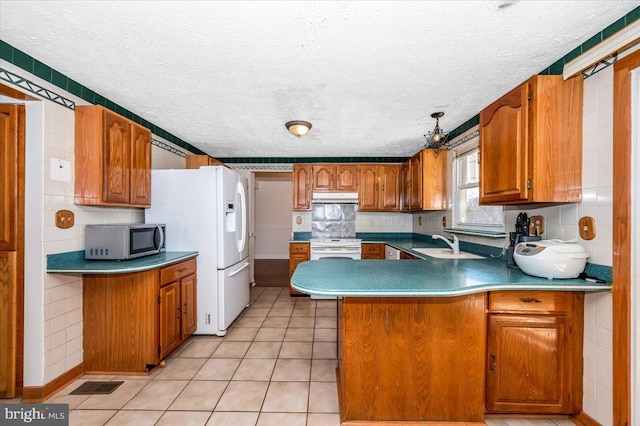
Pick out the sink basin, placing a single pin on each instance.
(446, 253)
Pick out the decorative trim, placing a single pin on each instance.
(309, 160)
(31, 394)
(464, 139)
(36, 89)
(599, 66)
(166, 147)
(263, 167)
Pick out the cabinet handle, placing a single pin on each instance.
(530, 300)
(493, 363)
(184, 311)
(182, 269)
(179, 315)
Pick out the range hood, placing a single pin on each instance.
(335, 197)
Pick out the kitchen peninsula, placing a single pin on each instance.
(447, 340)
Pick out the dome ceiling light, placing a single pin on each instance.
(298, 128)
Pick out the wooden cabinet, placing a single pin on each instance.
(178, 318)
(134, 320)
(531, 143)
(411, 359)
(298, 253)
(406, 256)
(425, 182)
(335, 177)
(379, 187)
(112, 159)
(534, 358)
(372, 251)
(197, 161)
(302, 186)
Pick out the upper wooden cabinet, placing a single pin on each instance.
(197, 161)
(335, 177)
(112, 159)
(379, 188)
(425, 181)
(531, 144)
(301, 186)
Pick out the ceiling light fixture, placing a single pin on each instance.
(298, 128)
(438, 138)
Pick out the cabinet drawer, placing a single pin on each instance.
(530, 301)
(177, 271)
(372, 248)
(298, 248)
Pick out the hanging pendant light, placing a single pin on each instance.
(438, 138)
(298, 128)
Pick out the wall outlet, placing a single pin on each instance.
(60, 170)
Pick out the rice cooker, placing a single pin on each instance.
(551, 258)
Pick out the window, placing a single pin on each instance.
(467, 211)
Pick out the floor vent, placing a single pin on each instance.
(96, 388)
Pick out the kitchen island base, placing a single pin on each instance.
(421, 360)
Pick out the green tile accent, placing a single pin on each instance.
(632, 16)
(74, 87)
(59, 79)
(596, 39)
(6, 52)
(23, 60)
(614, 28)
(42, 70)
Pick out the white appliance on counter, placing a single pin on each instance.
(551, 258)
(205, 210)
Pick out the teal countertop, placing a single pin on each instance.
(426, 277)
(75, 263)
(420, 278)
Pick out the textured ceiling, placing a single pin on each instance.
(226, 76)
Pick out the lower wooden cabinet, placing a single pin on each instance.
(298, 253)
(534, 358)
(134, 320)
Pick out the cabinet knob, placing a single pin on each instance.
(530, 300)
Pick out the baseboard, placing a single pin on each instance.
(583, 419)
(34, 394)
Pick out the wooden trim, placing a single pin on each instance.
(22, 126)
(15, 94)
(622, 228)
(583, 419)
(35, 394)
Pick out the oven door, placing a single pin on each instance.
(318, 253)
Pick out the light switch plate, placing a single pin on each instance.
(60, 170)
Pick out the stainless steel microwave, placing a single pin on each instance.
(123, 241)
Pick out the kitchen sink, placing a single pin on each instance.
(446, 253)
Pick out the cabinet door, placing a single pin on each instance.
(8, 176)
(504, 148)
(405, 183)
(434, 180)
(117, 158)
(324, 177)
(368, 194)
(301, 187)
(140, 166)
(528, 364)
(415, 190)
(347, 177)
(389, 197)
(372, 251)
(170, 313)
(298, 253)
(188, 299)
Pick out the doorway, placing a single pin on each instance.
(272, 226)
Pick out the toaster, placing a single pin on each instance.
(551, 258)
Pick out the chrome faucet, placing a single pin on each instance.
(455, 246)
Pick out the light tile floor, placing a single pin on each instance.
(276, 366)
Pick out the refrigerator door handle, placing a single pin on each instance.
(241, 268)
(242, 241)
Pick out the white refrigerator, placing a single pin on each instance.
(205, 210)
